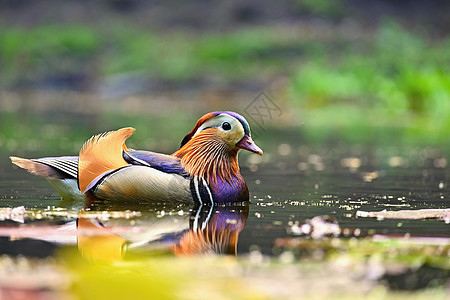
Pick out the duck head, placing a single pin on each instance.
(229, 127)
(210, 149)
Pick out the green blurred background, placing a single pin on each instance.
(338, 71)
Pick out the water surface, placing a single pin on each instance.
(54, 247)
(293, 186)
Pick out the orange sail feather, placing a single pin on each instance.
(100, 154)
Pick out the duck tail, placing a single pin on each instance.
(101, 153)
(34, 167)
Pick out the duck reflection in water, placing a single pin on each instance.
(205, 230)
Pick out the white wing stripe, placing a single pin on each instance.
(68, 166)
(209, 191)
(195, 225)
(212, 204)
(197, 190)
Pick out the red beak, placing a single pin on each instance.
(248, 144)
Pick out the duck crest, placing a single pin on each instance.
(207, 157)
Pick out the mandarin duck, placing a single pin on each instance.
(204, 170)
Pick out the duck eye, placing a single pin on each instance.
(226, 126)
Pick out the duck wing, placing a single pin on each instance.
(135, 183)
(103, 170)
(162, 162)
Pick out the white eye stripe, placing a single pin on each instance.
(217, 121)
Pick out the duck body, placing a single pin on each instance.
(204, 170)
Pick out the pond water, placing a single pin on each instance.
(289, 187)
